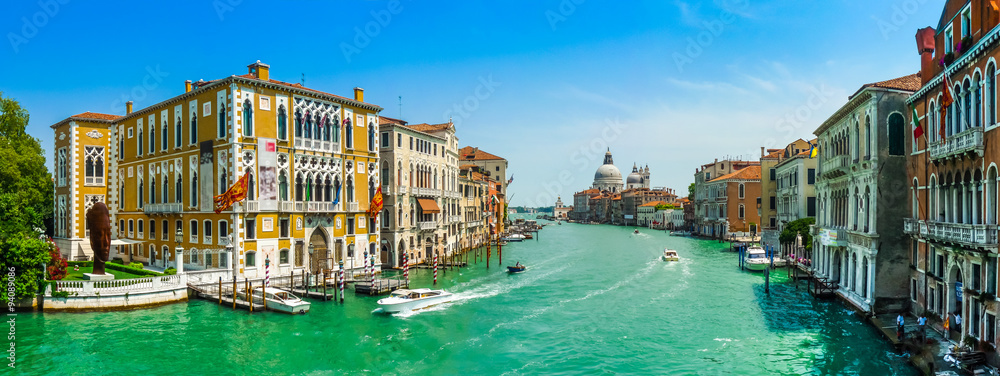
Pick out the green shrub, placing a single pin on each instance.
(131, 270)
(136, 265)
(82, 264)
(170, 271)
(118, 260)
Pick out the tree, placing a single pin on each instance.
(798, 226)
(691, 192)
(25, 203)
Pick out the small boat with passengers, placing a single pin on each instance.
(670, 255)
(278, 300)
(517, 268)
(413, 299)
(513, 238)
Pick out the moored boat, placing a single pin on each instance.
(408, 300)
(513, 238)
(279, 300)
(670, 255)
(755, 259)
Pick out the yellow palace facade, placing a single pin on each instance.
(310, 157)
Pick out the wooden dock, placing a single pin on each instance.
(382, 286)
(226, 299)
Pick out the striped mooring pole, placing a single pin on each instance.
(366, 263)
(373, 273)
(341, 281)
(267, 272)
(435, 268)
(406, 267)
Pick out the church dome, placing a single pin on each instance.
(608, 171)
(635, 177)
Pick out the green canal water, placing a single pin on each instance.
(595, 300)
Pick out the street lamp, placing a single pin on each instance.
(178, 251)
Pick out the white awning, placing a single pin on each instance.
(125, 242)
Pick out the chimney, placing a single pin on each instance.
(128, 107)
(259, 70)
(359, 94)
(187, 86)
(925, 47)
(762, 152)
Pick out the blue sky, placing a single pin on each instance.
(546, 84)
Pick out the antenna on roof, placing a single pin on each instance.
(401, 107)
(303, 79)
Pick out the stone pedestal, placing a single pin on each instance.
(98, 277)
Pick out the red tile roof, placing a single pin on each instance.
(748, 173)
(389, 120)
(95, 115)
(427, 128)
(654, 203)
(471, 153)
(907, 83)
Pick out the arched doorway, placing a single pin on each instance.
(319, 255)
(955, 294)
(835, 270)
(385, 256)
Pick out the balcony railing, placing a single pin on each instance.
(833, 166)
(452, 194)
(253, 206)
(352, 207)
(967, 234)
(300, 206)
(163, 208)
(401, 190)
(430, 192)
(473, 224)
(911, 226)
(455, 218)
(721, 198)
(317, 206)
(287, 206)
(431, 225)
(969, 140)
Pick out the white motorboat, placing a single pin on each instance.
(756, 259)
(670, 255)
(403, 300)
(514, 238)
(279, 300)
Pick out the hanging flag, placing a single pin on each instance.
(917, 130)
(510, 180)
(336, 198)
(813, 150)
(376, 205)
(347, 120)
(237, 192)
(946, 101)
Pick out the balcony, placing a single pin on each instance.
(454, 218)
(963, 234)
(253, 206)
(911, 226)
(835, 166)
(317, 206)
(352, 207)
(423, 226)
(401, 190)
(721, 198)
(300, 206)
(426, 192)
(170, 208)
(473, 224)
(286, 207)
(959, 144)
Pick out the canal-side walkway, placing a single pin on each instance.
(923, 356)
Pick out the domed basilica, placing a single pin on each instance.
(608, 178)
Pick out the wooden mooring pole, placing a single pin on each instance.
(220, 290)
(767, 280)
(234, 293)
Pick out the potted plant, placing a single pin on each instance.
(969, 342)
